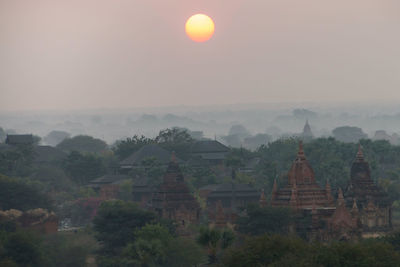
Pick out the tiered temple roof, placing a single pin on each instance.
(302, 190)
(173, 199)
(307, 133)
(362, 188)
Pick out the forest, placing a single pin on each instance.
(120, 233)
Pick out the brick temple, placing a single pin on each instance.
(364, 210)
(375, 207)
(301, 191)
(173, 200)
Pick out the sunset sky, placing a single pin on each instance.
(78, 54)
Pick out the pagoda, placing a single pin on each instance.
(307, 133)
(374, 204)
(173, 200)
(301, 191)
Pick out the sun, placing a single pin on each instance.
(200, 28)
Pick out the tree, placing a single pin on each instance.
(183, 252)
(52, 177)
(215, 240)
(175, 139)
(17, 161)
(15, 194)
(83, 168)
(262, 220)
(173, 136)
(125, 148)
(150, 246)
(83, 143)
(23, 248)
(116, 222)
(269, 251)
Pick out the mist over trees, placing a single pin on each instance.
(68, 178)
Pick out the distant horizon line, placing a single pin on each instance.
(216, 107)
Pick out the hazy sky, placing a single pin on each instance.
(75, 54)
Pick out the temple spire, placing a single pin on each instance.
(360, 154)
(340, 200)
(263, 200)
(354, 209)
(173, 157)
(300, 153)
(274, 190)
(328, 191)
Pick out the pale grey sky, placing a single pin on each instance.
(75, 54)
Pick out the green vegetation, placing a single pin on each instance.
(291, 251)
(259, 220)
(28, 249)
(83, 167)
(84, 144)
(215, 240)
(134, 237)
(16, 194)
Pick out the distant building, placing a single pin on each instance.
(135, 160)
(108, 185)
(173, 200)
(232, 198)
(307, 134)
(142, 192)
(19, 139)
(38, 220)
(211, 151)
(383, 135)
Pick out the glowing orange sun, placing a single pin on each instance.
(200, 28)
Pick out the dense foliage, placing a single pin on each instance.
(134, 237)
(22, 248)
(116, 222)
(15, 194)
(262, 220)
(290, 251)
(83, 143)
(83, 167)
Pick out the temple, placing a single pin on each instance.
(307, 134)
(364, 210)
(173, 200)
(301, 190)
(374, 205)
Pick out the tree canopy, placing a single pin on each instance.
(15, 194)
(83, 143)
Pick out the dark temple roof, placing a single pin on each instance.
(225, 190)
(109, 179)
(173, 192)
(148, 151)
(362, 187)
(208, 146)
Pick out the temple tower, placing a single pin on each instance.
(374, 205)
(173, 200)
